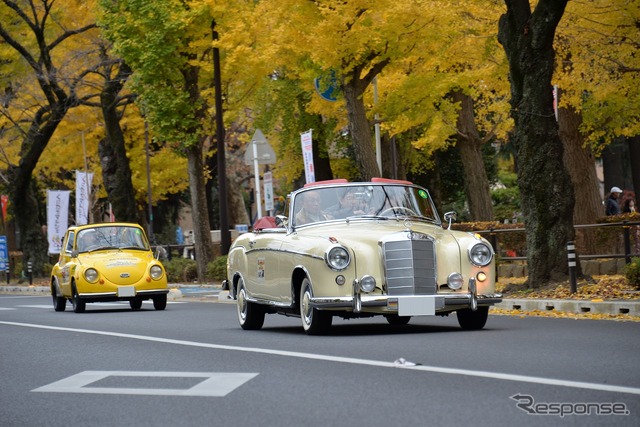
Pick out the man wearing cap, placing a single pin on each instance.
(611, 205)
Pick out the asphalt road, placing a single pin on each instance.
(192, 365)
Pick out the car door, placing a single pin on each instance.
(65, 263)
(263, 266)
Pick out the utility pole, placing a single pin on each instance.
(225, 235)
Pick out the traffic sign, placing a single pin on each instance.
(264, 152)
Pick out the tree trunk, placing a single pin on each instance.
(22, 195)
(321, 164)
(476, 183)
(634, 157)
(546, 191)
(197, 185)
(613, 166)
(116, 172)
(580, 163)
(201, 228)
(359, 127)
(237, 209)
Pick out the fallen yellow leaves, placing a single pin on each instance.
(600, 288)
(564, 315)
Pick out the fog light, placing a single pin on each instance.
(481, 276)
(340, 280)
(454, 281)
(367, 284)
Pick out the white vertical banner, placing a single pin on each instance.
(307, 154)
(83, 189)
(267, 180)
(57, 218)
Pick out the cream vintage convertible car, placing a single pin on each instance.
(358, 250)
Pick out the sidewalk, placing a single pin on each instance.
(214, 293)
(177, 291)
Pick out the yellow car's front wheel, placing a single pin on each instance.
(78, 304)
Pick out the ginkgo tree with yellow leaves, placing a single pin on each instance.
(56, 71)
(42, 79)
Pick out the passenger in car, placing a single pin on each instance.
(348, 204)
(311, 209)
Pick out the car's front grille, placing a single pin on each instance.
(410, 265)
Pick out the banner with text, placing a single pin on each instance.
(83, 193)
(57, 218)
(267, 180)
(307, 154)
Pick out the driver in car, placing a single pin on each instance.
(311, 209)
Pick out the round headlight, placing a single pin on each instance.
(156, 272)
(91, 275)
(367, 283)
(337, 258)
(480, 254)
(454, 281)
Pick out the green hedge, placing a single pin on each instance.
(185, 270)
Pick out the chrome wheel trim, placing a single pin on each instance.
(242, 303)
(306, 311)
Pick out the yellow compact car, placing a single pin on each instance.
(356, 250)
(107, 262)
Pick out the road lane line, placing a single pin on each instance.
(340, 359)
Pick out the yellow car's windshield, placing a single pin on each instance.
(111, 237)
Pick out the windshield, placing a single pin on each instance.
(111, 237)
(379, 201)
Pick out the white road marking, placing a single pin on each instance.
(214, 384)
(6, 308)
(351, 360)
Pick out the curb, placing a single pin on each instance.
(631, 308)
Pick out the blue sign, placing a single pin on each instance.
(4, 254)
(327, 86)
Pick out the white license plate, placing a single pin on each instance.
(416, 306)
(126, 291)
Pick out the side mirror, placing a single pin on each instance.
(450, 217)
(74, 254)
(161, 253)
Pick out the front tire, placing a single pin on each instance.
(78, 305)
(314, 321)
(395, 320)
(135, 304)
(473, 320)
(59, 303)
(250, 314)
(159, 302)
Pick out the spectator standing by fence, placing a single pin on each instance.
(612, 207)
(628, 203)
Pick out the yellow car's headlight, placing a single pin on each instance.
(156, 272)
(91, 275)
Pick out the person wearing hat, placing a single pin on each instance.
(611, 205)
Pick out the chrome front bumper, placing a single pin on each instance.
(409, 305)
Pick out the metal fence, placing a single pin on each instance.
(628, 231)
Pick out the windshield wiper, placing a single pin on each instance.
(102, 248)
